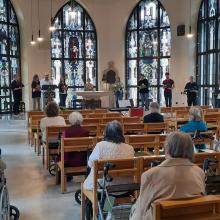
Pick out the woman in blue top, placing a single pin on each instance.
(195, 123)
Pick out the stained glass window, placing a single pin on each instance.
(9, 52)
(208, 50)
(148, 45)
(74, 49)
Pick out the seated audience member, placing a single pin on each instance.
(195, 124)
(75, 130)
(113, 147)
(154, 115)
(175, 178)
(52, 118)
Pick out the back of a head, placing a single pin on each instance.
(75, 118)
(179, 145)
(52, 109)
(154, 107)
(114, 133)
(195, 113)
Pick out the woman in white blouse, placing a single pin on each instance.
(113, 147)
(52, 118)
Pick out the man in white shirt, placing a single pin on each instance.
(45, 81)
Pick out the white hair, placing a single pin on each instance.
(75, 118)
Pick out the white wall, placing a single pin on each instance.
(110, 18)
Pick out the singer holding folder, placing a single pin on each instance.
(191, 90)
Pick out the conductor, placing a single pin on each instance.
(191, 90)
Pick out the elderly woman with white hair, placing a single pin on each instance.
(75, 130)
(195, 123)
(175, 178)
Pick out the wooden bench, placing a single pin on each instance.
(82, 144)
(128, 120)
(123, 167)
(201, 208)
(133, 128)
(143, 142)
(156, 127)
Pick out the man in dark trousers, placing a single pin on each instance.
(191, 90)
(143, 90)
(168, 85)
(16, 87)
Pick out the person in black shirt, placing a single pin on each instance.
(36, 92)
(154, 115)
(191, 90)
(143, 90)
(62, 92)
(16, 87)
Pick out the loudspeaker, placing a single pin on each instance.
(181, 30)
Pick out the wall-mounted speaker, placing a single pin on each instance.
(181, 30)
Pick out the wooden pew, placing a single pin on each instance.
(182, 114)
(123, 167)
(113, 115)
(128, 120)
(91, 121)
(143, 142)
(82, 144)
(96, 115)
(201, 208)
(212, 117)
(156, 127)
(210, 110)
(50, 147)
(101, 110)
(133, 128)
(166, 110)
(107, 120)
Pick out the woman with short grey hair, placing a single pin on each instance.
(75, 118)
(195, 113)
(175, 178)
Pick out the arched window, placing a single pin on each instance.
(208, 50)
(148, 42)
(74, 49)
(9, 52)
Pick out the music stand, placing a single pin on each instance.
(48, 92)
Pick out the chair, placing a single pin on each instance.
(96, 115)
(113, 114)
(136, 112)
(82, 144)
(123, 167)
(202, 208)
(101, 110)
(107, 120)
(87, 121)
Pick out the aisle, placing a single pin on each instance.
(31, 188)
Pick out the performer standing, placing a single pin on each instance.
(63, 92)
(191, 90)
(118, 90)
(36, 92)
(168, 85)
(17, 86)
(45, 81)
(143, 90)
(89, 86)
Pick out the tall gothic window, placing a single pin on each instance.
(148, 43)
(74, 49)
(208, 49)
(9, 52)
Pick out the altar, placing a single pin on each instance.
(105, 98)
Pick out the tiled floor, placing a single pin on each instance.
(31, 188)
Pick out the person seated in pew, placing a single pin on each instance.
(195, 124)
(75, 130)
(112, 147)
(154, 115)
(52, 118)
(175, 178)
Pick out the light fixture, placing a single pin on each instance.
(190, 34)
(33, 42)
(40, 38)
(51, 28)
